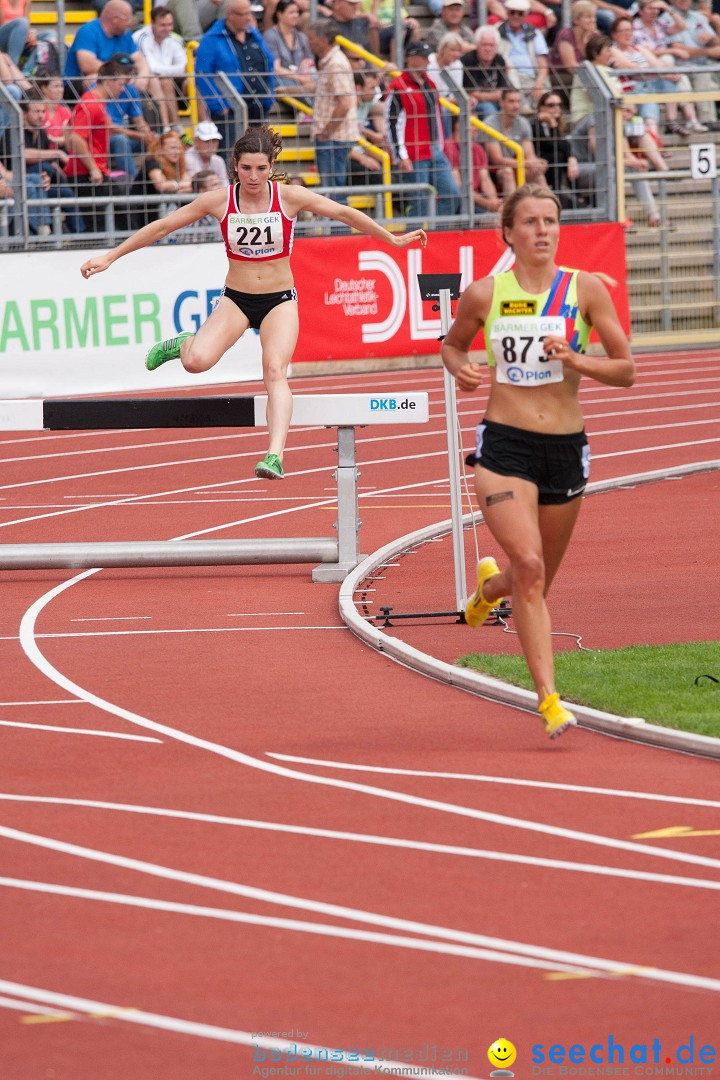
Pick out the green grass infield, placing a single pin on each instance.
(676, 686)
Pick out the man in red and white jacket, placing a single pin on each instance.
(415, 133)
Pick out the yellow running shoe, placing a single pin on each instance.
(478, 608)
(557, 718)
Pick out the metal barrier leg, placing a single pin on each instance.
(347, 523)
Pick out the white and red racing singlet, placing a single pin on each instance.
(261, 236)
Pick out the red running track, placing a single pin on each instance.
(222, 815)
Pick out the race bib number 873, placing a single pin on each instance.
(518, 348)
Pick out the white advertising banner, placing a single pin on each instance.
(62, 335)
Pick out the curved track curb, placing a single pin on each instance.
(484, 686)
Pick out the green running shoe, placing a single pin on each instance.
(162, 351)
(270, 468)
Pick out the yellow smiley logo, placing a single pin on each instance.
(502, 1053)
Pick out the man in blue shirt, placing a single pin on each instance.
(99, 40)
(129, 130)
(233, 45)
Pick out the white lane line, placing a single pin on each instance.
(654, 449)
(296, 925)
(377, 841)
(126, 447)
(471, 409)
(46, 701)
(411, 926)
(183, 630)
(140, 499)
(304, 1051)
(659, 409)
(654, 427)
(113, 618)
(32, 651)
(643, 382)
(79, 731)
(620, 793)
(363, 440)
(29, 1007)
(260, 614)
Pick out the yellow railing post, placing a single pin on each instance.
(191, 49)
(619, 160)
(377, 151)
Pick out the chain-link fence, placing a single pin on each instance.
(91, 168)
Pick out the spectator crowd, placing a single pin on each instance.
(108, 117)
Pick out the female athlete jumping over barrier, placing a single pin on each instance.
(257, 218)
(532, 458)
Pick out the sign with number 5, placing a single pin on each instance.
(703, 161)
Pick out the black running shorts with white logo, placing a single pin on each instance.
(559, 465)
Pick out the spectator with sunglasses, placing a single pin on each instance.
(551, 144)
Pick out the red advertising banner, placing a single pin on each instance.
(359, 298)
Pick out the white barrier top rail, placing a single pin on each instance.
(329, 410)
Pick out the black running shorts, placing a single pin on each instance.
(257, 305)
(559, 465)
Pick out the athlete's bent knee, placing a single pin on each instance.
(196, 360)
(528, 571)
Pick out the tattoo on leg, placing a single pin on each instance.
(498, 497)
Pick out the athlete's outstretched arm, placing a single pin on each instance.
(210, 202)
(298, 198)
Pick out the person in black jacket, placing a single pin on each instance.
(552, 144)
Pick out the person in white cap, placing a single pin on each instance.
(452, 20)
(203, 154)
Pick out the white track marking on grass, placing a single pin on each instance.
(411, 926)
(377, 841)
(621, 793)
(36, 657)
(79, 731)
(191, 1027)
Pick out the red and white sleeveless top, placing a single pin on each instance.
(258, 237)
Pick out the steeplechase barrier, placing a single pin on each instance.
(336, 555)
